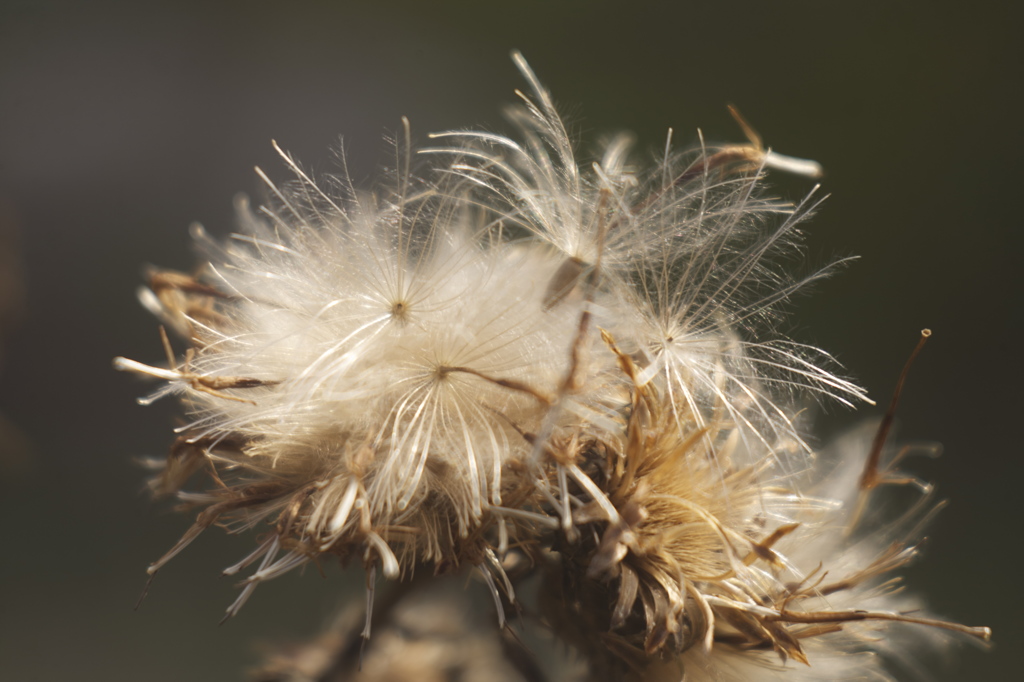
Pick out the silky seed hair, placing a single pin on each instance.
(690, 255)
(373, 354)
(503, 359)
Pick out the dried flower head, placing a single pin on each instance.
(540, 368)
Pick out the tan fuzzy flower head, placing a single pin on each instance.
(566, 376)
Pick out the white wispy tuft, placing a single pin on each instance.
(690, 254)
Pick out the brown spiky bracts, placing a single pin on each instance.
(726, 571)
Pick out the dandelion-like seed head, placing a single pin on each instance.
(546, 370)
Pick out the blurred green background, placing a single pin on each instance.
(121, 124)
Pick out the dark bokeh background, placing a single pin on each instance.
(119, 125)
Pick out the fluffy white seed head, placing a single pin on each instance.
(695, 261)
(524, 361)
(391, 325)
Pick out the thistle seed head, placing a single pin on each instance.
(511, 360)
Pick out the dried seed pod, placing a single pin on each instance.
(543, 369)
